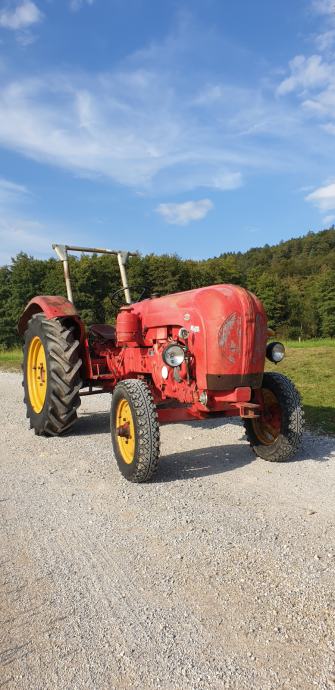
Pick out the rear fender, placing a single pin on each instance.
(53, 307)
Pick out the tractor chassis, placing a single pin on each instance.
(234, 403)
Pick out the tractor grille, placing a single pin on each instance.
(223, 382)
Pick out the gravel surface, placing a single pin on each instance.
(219, 574)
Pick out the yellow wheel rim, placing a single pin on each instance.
(125, 431)
(36, 373)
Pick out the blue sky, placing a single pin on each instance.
(196, 127)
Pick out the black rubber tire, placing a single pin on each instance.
(147, 436)
(292, 421)
(63, 363)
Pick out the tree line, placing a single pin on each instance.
(295, 281)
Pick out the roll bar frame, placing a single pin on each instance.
(122, 257)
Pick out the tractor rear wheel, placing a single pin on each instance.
(51, 375)
(135, 430)
(276, 435)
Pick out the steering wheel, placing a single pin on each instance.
(116, 302)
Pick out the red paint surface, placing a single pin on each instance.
(53, 306)
(227, 329)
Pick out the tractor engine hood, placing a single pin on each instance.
(227, 332)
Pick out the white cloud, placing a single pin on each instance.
(127, 126)
(312, 80)
(184, 213)
(323, 197)
(329, 127)
(323, 103)
(151, 126)
(326, 7)
(19, 233)
(142, 126)
(23, 233)
(24, 15)
(225, 181)
(325, 40)
(76, 5)
(329, 220)
(307, 73)
(10, 191)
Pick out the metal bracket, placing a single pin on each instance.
(61, 251)
(124, 256)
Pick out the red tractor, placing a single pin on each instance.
(189, 355)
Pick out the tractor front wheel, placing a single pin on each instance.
(135, 430)
(276, 434)
(51, 375)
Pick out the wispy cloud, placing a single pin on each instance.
(306, 74)
(21, 20)
(128, 126)
(325, 40)
(184, 213)
(138, 127)
(323, 197)
(76, 5)
(19, 234)
(314, 72)
(325, 7)
(142, 126)
(310, 85)
(11, 192)
(21, 230)
(17, 231)
(224, 181)
(23, 16)
(329, 220)
(152, 127)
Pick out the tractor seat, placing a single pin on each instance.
(103, 331)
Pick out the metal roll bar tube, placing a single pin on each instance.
(122, 257)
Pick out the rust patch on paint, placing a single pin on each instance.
(230, 337)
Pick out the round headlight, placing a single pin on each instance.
(173, 355)
(275, 352)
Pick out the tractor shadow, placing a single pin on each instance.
(89, 423)
(202, 462)
(211, 460)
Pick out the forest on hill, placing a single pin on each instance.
(294, 279)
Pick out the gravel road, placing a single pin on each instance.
(219, 574)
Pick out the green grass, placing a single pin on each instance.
(315, 342)
(10, 360)
(310, 364)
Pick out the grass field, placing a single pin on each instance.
(10, 360)
(310, 364)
